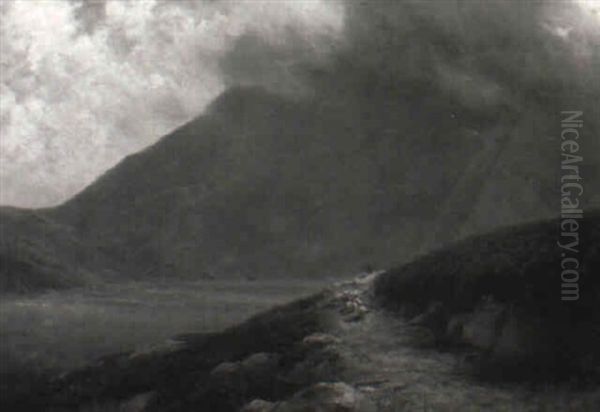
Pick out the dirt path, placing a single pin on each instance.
(386, 364)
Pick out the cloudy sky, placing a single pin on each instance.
(84, 83)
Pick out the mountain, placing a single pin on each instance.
(408, 137)
(262, 185)
(266, 186)
(442, 330)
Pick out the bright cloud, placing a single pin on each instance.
(85, 83)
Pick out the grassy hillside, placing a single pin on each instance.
(510, 280)
(36, 253)
(58, 331)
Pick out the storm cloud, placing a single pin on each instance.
(86, 83)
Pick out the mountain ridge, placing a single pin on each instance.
(262, 185)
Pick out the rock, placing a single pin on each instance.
(482, 328)
(320, 364)
(454, 328)
(352, 305)
(431, 324)
(257, 375)
(259, 405)
(168, 346)
(260, 362)
(517, 338)
(261, 370)
(227, 375)
(138, 403)
(255, 364)
(327, 397)
(225, 368)
(319, 340)
(432, 317)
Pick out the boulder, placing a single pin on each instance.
(138, 403)
(520, 338)
(258, 405)
(352, 305)
(260, 363)
(320, 364)
(227, 375)
(319, 340)
(327, 397)
(225, 368)
(482, 328)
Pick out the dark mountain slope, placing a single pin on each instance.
(268, 186)
(38, 253)
(263, 185)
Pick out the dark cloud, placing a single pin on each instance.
(503, 45)
(90, 74)
(281, 68)
(485, 54)
(90, 14)
(435, 78)
(85, 83)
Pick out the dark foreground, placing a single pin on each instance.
(478, 326)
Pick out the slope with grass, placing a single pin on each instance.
(38, 253)
(504, 294)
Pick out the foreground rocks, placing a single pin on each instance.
(321, 397)
(258, 405)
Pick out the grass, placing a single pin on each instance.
(518, 268)
(63, 330)
(181, 377)
(59, 331)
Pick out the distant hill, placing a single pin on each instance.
(37, 253)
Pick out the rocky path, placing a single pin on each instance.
(337, 351)
(390, 365)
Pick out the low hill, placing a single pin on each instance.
(510, 283)
(484, 308)
(37, 253)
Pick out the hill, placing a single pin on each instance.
(525, 318)
(37, 253)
